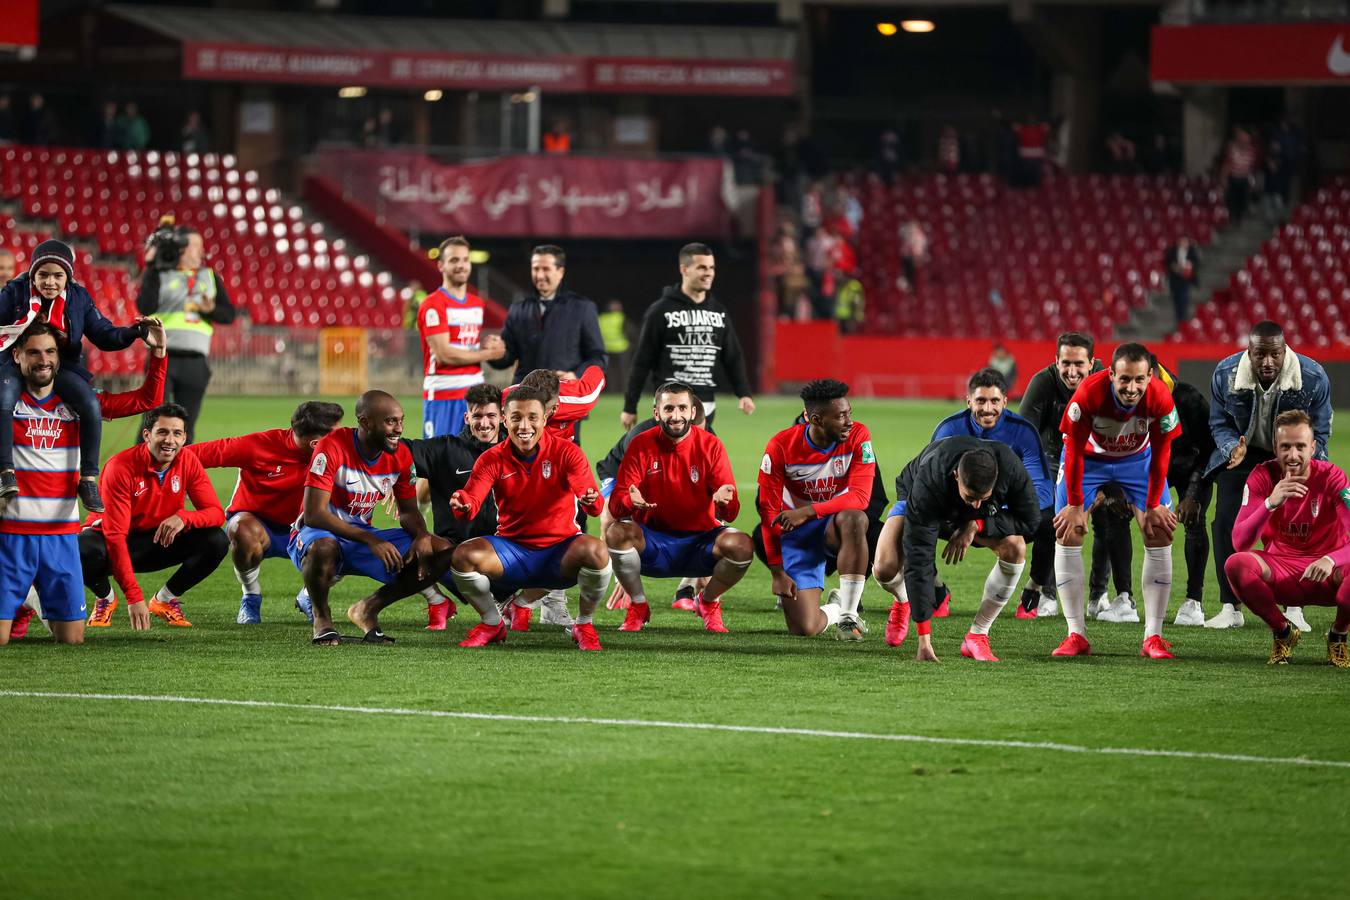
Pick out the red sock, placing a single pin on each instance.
(1342, 623)
(1244, 574)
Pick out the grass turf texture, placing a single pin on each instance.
(168, 800)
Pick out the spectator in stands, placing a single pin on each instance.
(39, 128)
(105, 129)
(7, 130)
(850, 306)
(194, 138)
(558, 139)
(133, 131)
(616, 332)
(719, 141)
(1032, 135)
(747, 161)
(370, 132)
(1121, 154)
(888, 164)
(1283, 157)
(949, 151)
(1236, 174)
(1248, 391)
(1183, 270)
(1004, 363)
(9, 264)
(913, 253)
(190, 299)
(388, 129)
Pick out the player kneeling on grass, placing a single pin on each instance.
(1300, 509)
(146, 525)
(268, 494)
(1119, 426)
(353, 470)
(538, 479)
(815, 482)
(971, 492)
(672, 494)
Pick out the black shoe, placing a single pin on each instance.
(90, 497)
(9, 485)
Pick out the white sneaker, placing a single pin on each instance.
(1048, 608)
(1097, 605)
(1229, 617)
(1296, 618)
(553, 610)
(1121, 609)
(1190, 613)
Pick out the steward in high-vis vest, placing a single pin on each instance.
(191, 300)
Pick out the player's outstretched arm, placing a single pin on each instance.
(145, 398)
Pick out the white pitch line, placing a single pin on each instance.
(697, 726)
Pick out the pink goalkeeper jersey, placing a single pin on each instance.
(1314, 525)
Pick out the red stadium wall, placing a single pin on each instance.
(929, 368)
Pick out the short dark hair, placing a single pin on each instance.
(1292, 418)
(457, 240)
(483, 395)
(978, 471)
(987, 378)
(38, 328)
(523, 394)
(1075, 339)
(822, 392)
(553, 250)
(163, 411)
(689, 251)
(1131, 352)
(545, 381)
(674, 387)
(315, 418)
(1266, 329)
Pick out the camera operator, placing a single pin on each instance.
(190, 299)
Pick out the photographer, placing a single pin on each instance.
(191, 300)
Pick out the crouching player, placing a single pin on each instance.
(1300, 509)
(672, 494)
(538, 479)
(971, 492)
(268, 494)
(815, 482)
(352, 471)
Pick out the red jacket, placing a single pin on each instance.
(272, 472)
(680, 479)
(576, 399)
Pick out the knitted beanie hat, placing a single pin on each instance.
(55, 251)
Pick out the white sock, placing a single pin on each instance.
(34, 601)
(1157, 577)
(729, 572)
(998, 589)
(584, 620)
(434, 596)
(850, 594)
(477, 589)
(1072, 584)
(248, 580)
(896, 587)
(164, 595)
(832, 613)
(592, 583)
(627, 566)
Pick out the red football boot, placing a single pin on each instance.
(481, 635)
(976, 646)
(683, 602)
(1024, 613)
(19, 627)
(711, 614)
(520, 616)
(1156, 648)
(897, 624)
(1073, 645)
(440, 613)
(638, 614)
(944, 609)
(585, 637)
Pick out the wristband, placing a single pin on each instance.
(924, 627)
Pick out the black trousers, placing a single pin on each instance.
(1112, 554)
(186, 385)
(1043, 553)
(1181, 299)
(196, 551)
(1228, 485)
(1197, 546)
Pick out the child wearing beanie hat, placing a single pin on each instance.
(48, 293)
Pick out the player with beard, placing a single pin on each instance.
(815, 482)
(1299, 507)
(352, 471)
(538, 480)
(671, 497)
(1118, 427)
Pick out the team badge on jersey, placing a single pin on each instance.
(1316, 505)
(548, 469)
(1075, 412)
(319, 465)
(838, 464)
(693, 474)
(766, 466)
(385, 485)
(867, 455)
(175, 484)
(1169, 421)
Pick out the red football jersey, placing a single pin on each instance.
(1096, 426)
(795, 472)
(537, 498)
(460, 321)
(1314, 525)
(357, 485)
(272, 472)
(576, 399)
(680, 479)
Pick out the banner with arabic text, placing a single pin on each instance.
(542, 197)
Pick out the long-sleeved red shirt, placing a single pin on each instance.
(138, 497)
(537, 498)
(576, 399)
(680, 479)
(272, 471)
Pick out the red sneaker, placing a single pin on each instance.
(976, 646)
(585, 637)
(944, 609)
(440, 613)
(1073, 645)
(1156, 648)
(1024, 613)
(685, 603)
(520, 616)
(711, 614)
(481, 635)
(19, 628)
(897, 624)
(639, 614)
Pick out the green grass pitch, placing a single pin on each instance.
(114, 798)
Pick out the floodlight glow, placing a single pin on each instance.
(887, 28)
(918, 26)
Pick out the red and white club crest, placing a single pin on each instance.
(175, 484)
(548, 468)
(385, 485)
(693, 474)
(1316, 505)
(838, 463)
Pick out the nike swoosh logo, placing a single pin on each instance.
(463, 471)
(1338, 60)
(508, 475)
